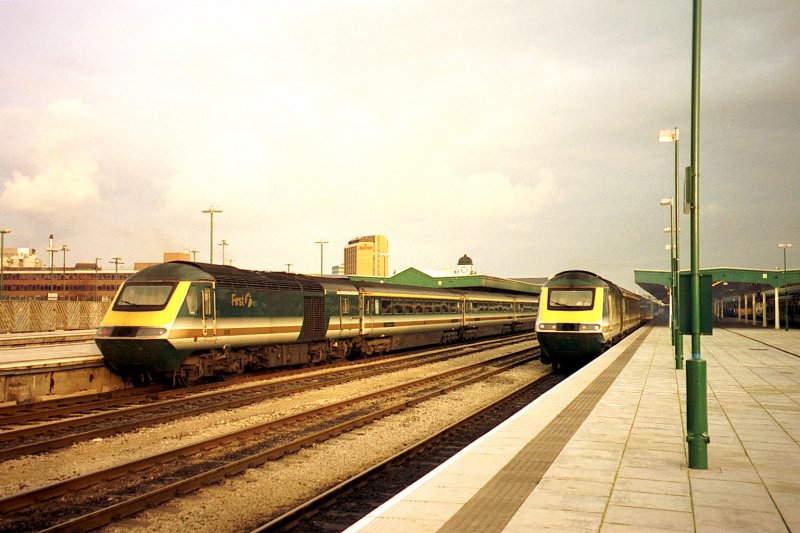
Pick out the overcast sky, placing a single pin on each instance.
(522, 133)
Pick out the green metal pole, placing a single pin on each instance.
(696, 403)
(676, 306)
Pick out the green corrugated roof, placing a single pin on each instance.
(416, 278)
(726, 280)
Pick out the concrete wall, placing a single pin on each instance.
(36, 387)
(26, 316)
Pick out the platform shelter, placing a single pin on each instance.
(742, 293)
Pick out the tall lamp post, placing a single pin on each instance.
(321, 244)
(211, 210)
(116, 260)
(672, 274)
(3, 233)
(224, 243)
(696, 382)
(785, 246)
(677, 339)
(52, 251)
(64, 249)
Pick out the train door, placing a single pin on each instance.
(201, 307)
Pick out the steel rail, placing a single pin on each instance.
(26, 413)
(247, 397)
(23, 500)
(308, 508)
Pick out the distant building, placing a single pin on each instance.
(337, 270)
(71, 283)
(84, 281)
(465, 266)
(367, 256)
(20, 258)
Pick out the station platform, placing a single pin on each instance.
(50, 370)
(606, 449)
(9, 340)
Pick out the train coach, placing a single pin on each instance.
(581, 315)
(183, 321)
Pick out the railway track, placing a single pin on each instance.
(159, 407)
(94, 499)
(346, 503)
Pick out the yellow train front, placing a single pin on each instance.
(581, 315)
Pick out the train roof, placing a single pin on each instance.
(228, 277)
(577, 278)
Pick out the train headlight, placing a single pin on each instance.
(151, 332)
(548, 327)
(590, 327)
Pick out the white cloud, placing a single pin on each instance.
(64, 175)
(55, 189)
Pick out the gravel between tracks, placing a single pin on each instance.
(247, 500)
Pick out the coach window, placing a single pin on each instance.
(386, 306)
(408, 308)
(397, 308)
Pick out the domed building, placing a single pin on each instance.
(465, 266)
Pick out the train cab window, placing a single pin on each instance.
(151, 296)
(192, 304)
(570, 299)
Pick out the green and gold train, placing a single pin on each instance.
(581, 315)
(183, 321)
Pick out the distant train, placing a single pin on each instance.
(183, 321)
(581, 315)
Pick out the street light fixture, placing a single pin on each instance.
(673, 136)
(3, 233)
(211, 210)
(321, 244)
(116, 260)
(224, 243)
(96, 267)
(785, 246)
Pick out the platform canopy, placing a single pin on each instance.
(440, 280)
(726, 282)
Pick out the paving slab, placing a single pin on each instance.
(625, 467)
